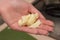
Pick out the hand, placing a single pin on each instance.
(12, 10)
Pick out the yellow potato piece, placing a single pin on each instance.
(36, 24)
(23, 20)
(32, 19)
(36, 15)
(20, 22)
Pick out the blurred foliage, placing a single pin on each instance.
(9, 34)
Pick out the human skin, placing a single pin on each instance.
(12, 10)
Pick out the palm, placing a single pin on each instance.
(11, 13)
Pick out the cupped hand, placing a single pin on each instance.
(12, 10)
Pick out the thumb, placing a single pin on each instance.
(32, 9)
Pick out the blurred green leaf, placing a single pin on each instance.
(9, 34)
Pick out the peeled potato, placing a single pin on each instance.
(32, 19)
(20, 23)
(36, 24)
(23, 20)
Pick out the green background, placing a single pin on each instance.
(9, 34)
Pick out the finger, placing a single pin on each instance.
(46, 27)
(50, 23)
(47, 22)
(32, 9)
(25, 29)
(29, 30)
(41, 31)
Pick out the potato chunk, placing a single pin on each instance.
(23, 20)
(32, 19)
(36, 24)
